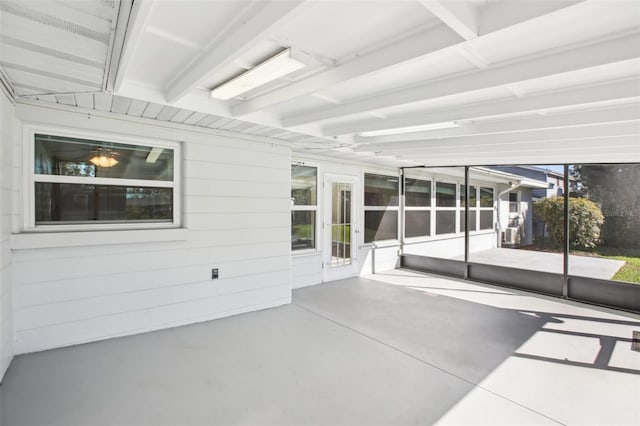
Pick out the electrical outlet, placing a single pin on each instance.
(214, 274)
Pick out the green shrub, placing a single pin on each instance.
(585, 220)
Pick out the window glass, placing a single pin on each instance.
(445, 194)
(513, 202)
(80, 203)
(417, 223)
(304, 194)
(380, 225)
(65, 156)
(486, 197)
(486, 219)
(303, 230)
(472, 220)
(303, 185)
(380, 190)
(417, 193)
(445, 222)
(472, 196)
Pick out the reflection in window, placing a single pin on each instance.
(72, 203)
(380, 225)
(381, 190)
(75, 181)
(303, 206)
(417, 192)
(417, 223)
(381, 206)
(445, 194)
(66, 156)
(303, 230)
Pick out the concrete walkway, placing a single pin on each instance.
(395, 348)
(584, 266)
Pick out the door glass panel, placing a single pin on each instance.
(340, 224)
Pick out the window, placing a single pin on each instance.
(486, 208)
(84, 183)
(304, 205)
(513, 202)
(417, 211)
(445, 208)
(381, 205)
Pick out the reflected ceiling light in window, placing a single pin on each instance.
(154, 154)
(273, 68)
(410, 129)
(104, 158)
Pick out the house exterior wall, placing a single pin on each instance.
(8, 133)
(71, 288)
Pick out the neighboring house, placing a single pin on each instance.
(555, 187)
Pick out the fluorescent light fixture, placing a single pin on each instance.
(410, 129)
(273, 68)
(154, 154)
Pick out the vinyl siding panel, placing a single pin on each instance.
(235, 205)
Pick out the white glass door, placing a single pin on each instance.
(340, 257)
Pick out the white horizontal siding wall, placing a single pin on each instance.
(8, 134)
(236, 212)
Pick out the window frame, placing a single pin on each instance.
(315, 208)
(30, 178)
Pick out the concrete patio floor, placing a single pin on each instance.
(394, 348)
(584, 266)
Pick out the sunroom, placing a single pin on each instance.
(255, 189)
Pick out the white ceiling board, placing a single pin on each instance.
(48, 83)
(137, 107)
(56, 38)
(55, 65)
(435, 65)
(102, 101)
(583, 77)
(204, 19)
(338, 30)
(84, 100)
(158, 61)
(572, 25)
(152, 110)
(181, 115)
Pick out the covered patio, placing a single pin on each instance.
(398, 347)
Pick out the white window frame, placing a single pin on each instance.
(30, 178)
(366, 208)
(315, 208)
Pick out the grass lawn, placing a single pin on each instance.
(630, 271)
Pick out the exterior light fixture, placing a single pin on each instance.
(410, 129)
(273, 68)
(104, 158)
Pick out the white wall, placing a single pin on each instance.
(452, 247)
(8, 133)
(236, 196)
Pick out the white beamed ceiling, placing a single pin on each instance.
(515, 69)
